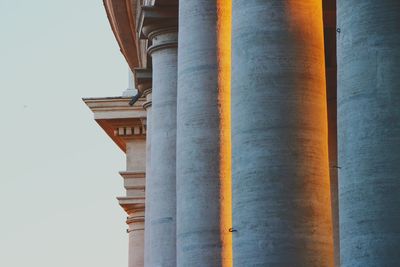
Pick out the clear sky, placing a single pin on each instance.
(58, 169)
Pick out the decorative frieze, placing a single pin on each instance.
(130, 131)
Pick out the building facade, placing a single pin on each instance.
(260, 133)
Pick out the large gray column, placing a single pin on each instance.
(280, 172)
(147, 107)
(200, 174)
(161, 190)
(369, 132)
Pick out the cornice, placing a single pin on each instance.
(120, 121)
(126, 23)
(121, 16)
(132, 175)
(134, 181)
(132, 204)
(146, 105)
(115, 107)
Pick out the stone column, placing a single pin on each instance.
(143, 81)
(160, 26)
(369, 132)
(280, 170)
(202, 162)
(147, 107)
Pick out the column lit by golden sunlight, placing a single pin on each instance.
(203, 135)
(224, 92)
(280, 170)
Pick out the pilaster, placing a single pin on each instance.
(134, 205)
(125, 125)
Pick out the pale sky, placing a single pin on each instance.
(58, 169)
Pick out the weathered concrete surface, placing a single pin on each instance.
(369, 132)
(280, 172)
(161, 187)
(199, 198)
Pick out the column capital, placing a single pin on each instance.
(159, 24)
(153, 18)
(162, 38)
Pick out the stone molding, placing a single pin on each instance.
(134, 180)
(132, 204)
(121, 16)
(163, 38)
(135, 131)
(143, 79)
(153, 18)
(159, 24)
(134, 183)
(128, 175)
(118, 119)
(125, 17)
(135, 219)
(149, 102)
(147, 105)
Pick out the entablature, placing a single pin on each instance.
(118, 119)
(126, 18)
